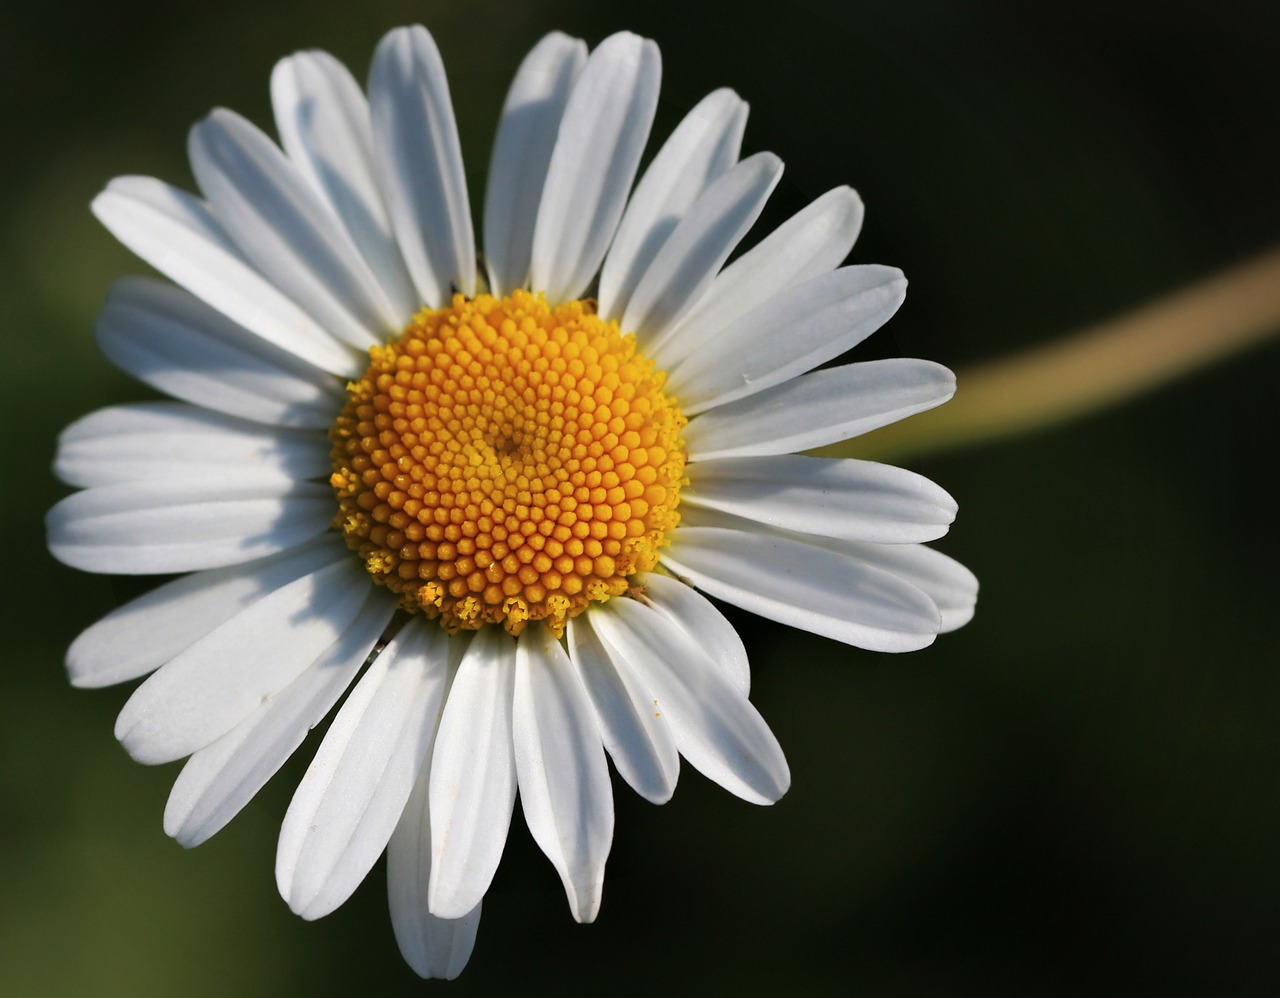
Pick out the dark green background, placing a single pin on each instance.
(1075, 795)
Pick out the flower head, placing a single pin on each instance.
(481, 499)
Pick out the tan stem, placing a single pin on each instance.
(1097, 367)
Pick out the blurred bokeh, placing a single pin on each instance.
(1076, 794)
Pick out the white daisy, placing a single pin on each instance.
(512, 467)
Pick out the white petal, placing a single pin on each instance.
(793, 332)
(943, 579)
(433, 947)
(703, 146)
(355, 790)
(170, 440)
(157, 527)
(420, 164)
(222, 778)
(638, 737)
(323, 120)
(177, 344)
(177, 234)
(234, 669)
(602, 135)
(716, 727)
(473, 776)
(561, 769)
(702, 622)
(820, 408)
(150, 528)
(286, 230)
(688, 261)
(857, 500)
(145, 633)
(521, 153)
(811, 242)
(804, 585)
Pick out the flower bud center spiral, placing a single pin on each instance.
(505, 461)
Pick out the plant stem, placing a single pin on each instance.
(1097, 367)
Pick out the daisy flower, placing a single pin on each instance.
(482, 497)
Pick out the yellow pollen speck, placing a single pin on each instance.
(504, 461)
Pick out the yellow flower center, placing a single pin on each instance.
(505, 461)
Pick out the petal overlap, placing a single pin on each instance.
(352, 796)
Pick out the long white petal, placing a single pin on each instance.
(793, 332)
(152, 440)
(150, 528)
(716, 727)
(420, 163)
(286, 230)
(688, 261)
(323, 120)
(820, 408)
(813, 241)
(943, 579)
(601, 138)
(705, 144)
(222, 778)
(804, 585)
(147, 632)
(857, 500)
(177, 234)
(636, 734)
(702, 622)
(433, 947)
(561, 769)
(473, 776)
(229, 673)
(177, 344)
(521, 153)
(355, 790)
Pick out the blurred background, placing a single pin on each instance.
(1076, 794)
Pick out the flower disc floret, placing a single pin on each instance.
(505, 461)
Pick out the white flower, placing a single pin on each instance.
(512, 470)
